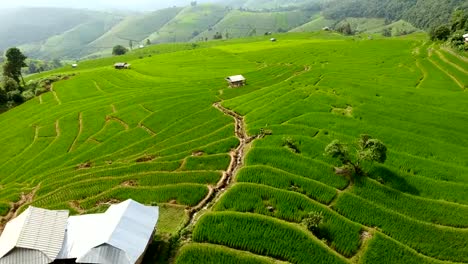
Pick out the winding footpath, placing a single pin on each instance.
(237, 162)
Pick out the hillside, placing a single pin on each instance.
(169, 132)
(71, 34)
(189, 23)
(244, 23)
(423, 14)
(137, 28)
(73, 43)
(38, 24)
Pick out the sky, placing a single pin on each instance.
(95, 4)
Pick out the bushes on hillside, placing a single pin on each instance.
(119, 50)
(454, 31)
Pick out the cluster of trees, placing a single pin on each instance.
(119, 50)
(424, 14)
(453, 31)
(13, 82)
(345, 29)
(37, 66)
(13, 89)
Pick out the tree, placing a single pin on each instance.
(345, 29)
(218, 36)
(32, 68)
(387, 32)
(119, 50)
(148, 42)
(56, 63)
(312, 221)
(9, 84)
(3, 96)
(440, 33)
(367, 149)
(15, 60)
(130, 44)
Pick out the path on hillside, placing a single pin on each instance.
(14, 207)
(237, 162)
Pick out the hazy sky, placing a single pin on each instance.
(94, 4)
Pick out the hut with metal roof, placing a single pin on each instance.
(118, 236)
(236, 81)
(34, 237)
(122, 65)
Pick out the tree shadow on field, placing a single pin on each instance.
(392, 179)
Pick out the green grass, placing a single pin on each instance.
(207, 253)
(263, 235)
(340, 233)
(152, 134)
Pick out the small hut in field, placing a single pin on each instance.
(236, 81)
(121, 65)
(466, 38)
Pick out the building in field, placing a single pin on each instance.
(236, 81)
(118, 236)
(34, 237)
(465, 37)
(122, 65)
(121, 235)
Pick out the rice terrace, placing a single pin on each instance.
(236, 171)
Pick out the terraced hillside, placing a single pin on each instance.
(219, 161)
(238, 23)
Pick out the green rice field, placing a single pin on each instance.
(152, 133)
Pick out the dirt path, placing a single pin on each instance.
(424, 74)
(55, 95)
(455, 54)
(80, 130)
(151, 132)
(14, 207)
(442, 57)
(120, 121)
(98, 88)
(237, 162)
(448, 74)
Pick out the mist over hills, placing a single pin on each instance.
(68, 33)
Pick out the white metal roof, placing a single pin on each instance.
(123, 230)
(465, 36)
(36, 230)
(236, 78)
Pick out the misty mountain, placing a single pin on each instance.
(48, 33)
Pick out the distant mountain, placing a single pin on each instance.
(48, 33)
(28, 25)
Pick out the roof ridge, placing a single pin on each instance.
(26, 218)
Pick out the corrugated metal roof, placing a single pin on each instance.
(236, 78)
(35, 229)
(465, 36)
(105, 254)
(127, 226)
(25, 256)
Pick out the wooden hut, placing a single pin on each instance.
(236, 81)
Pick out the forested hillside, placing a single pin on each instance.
(421, 13)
